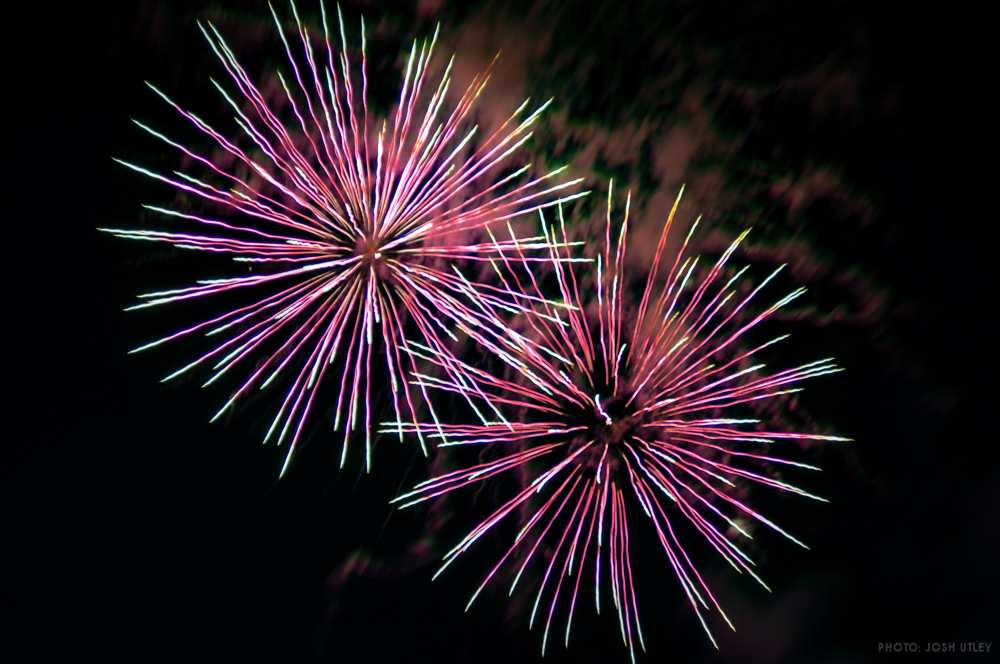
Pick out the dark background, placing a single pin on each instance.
(140, 532)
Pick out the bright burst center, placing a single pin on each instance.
(370, 251)
(616, 432)
(610, 422)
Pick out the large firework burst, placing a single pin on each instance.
(624, 409)
(347, 225)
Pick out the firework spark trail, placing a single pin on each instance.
(346, 225)
(613, 417)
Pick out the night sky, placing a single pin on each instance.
(141, 532)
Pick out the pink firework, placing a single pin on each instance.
(346, 224)
(625, 411)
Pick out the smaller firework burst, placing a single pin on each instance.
(623, 411)
(349, 227)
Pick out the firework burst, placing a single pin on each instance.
(624, 411)
(347, 225)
